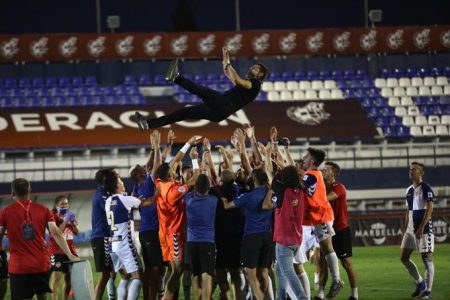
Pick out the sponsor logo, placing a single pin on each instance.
(311, 114)
(234, 43)
(68, 48)
(125, 46)
(10, 48)
(395, 40)
(422, 38)
(445, 38)
(39, 48)
(288, 43)
(206, 45)
(153, 46)
(369, 40)
(314, 42)
(378, 232)
(179, 45)
(261, 43)
(441, 230)
(96, 47)
(341, 41)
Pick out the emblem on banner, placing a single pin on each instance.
(422, 38)
(369, 40)
(68, 47)
(9, 49)
(125, 46)
(152, 46)
(440, 230)
(234, 43)
(395, 40)
(314, 42)
(39, 48)
(341, 41)
(96, 47)
(311, 114)
(288, 43)
(206, 45)
(445, 38)
(179, 45)
(378, 233)
(261, 43)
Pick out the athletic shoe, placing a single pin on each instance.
(172, 72)
(141, 121)
(426, 295)
(420, 287)
(334, 289)
(317, 298)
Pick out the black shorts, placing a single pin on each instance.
(102, 257)
(56, 262)
(203, 257)
(342, 243)
(257, 250)
(3, 265)
(151, 248)
(228, 254)
(24, 286)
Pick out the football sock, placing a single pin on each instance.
(412, 269)
(304, 280)
(122, 289)
(429, 272)
(332, 262)
(111, 289)
(134, 288)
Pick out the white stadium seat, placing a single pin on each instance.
(420, 120)
(286, 96)
(429, 81)
(424, 91)
(311, 95)
(436, 90)
(416, 131)
(304, 85)
(267, 86)
(298, 95)
(408, 121)
(337, 94)
(413, 110)
(412, 91)
(445, 120)
(392, 82)
(441, 80)
(399, 92)
(442, 130)
(416, 81)
(406, 101)
(394, 101)
(400, 111)
(380, 82)
(434, 120)
(428, 130)
(317, 84)
(324, 94)
(279, 86)
(329, 84)
(292, 85)
(273, 96)
(404, 82)
(447, 90)
(386, 92)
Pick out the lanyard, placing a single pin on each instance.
(27, 210)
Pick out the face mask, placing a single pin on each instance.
(62, 211)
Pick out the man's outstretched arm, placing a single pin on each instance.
(231, 73)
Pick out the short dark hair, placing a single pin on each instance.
(317, 154)
(421, 165)
(163, 172)
(290, 177)
(335, 167)
(264, 70)
(260, 176)
(57, 199)
(101, 174)
(136, 172)
(202, 184)
(20, 187)
(111, 181)
(227, 177)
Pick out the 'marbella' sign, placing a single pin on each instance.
(93, 125)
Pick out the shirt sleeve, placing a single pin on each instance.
(176, 191)
(49, 216)
(428, 194)
(130, 202)
(340, 191)
(147, 189)
(308, 180)
(240, 200)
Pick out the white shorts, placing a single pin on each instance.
(423, 245)
(324, 231)
(309, 241)
(125, 256)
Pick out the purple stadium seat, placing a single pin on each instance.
(262, 96)
(381, 121)
(436, 71)
(410, 72)
(403, 131)
(132, 90)
(312, 75)
(324, 75)
(286, 76)
(91, 81)
(299, 75)
(389, 131)
(446, 71)
(223, 78)
(10, 82)
(387, 111)
(77, 81)
(50, 82)
(423, 72)
(144, 80)
(361, 74)
(393, 121)
(200, 78)
(398, 73)
(385, 73)
(379, 102)
(108, 91)
(274, 76)
(160, 80)
(337, 74)
(37, 82)
(349, 74)
(120, 90)
(129, 80)
(64, 81)
(367, 102)
(212, 78)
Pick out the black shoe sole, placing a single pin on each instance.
(139, 120)
(172, 68)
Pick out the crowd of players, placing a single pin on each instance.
(210, 225)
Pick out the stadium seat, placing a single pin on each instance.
(273, 96)
(64, 81)
(279, 86)
(337, 74)
(442, 130)
(416, 131)
(299, 75)
(324, 95)
(408, 121)
(413, 110)
(434, 120)
(292, 85)
(336, 94)
(404, 82)
(311, 95)
(37, 82)
(349, 74)
(391, 82)
(447, 90)
(428, 130)
(51, 82)
(436, 90)
(386, 92)
(287, 75)
(304, 85)
(410, 72)
(406, 101)
(420, 120)
(416, 81)
(286, 96)
(423, 72)
(329, 84)
(161, 81)
(400, 111)
(324, 75)
(399, 92)
(381, 121)
(298, 95)
(412, 91)
(212, 78)
(429, 81)
(395, 121)
(441, 80)
(129, 80)
(435, 71)
(91, 81)
(267, 86)
(312, 75)
(424, 91)
(361, 74)
(199, 78)
(394, 101)
(274, 76)
(144, 80)
(380, 82)
(445, 120)
(317, 84)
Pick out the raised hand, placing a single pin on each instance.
(194, 140)
(249, 131)
(193, 154)
(206, 145)
(234, 141)
(220, 148)
(240, 136)
(273, 133)
(156, 137)
(171, 137)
